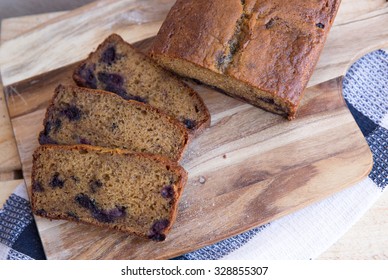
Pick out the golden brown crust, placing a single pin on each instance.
(173, 166)
(270, 47)
(204, 116)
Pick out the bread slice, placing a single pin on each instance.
(94, 117)
(263, 52)
(118, 67)
(132, 192)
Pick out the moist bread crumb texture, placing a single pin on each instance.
(93, 117)
(131, 192)
(263, 52)
(117, 67)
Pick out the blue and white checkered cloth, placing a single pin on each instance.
(19, 238)
(302, 235)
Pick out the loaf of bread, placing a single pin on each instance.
(263, 52)
(84, 116)
(118, 67)
(132, 192)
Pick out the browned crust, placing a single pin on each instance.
(278, 43)
(159, 159)
(179, 126)
(318, 51)
(200, 126)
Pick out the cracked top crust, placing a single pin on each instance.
(271, 45)
(192, 30)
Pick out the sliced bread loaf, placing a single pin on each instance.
(131, 192)
(94, 117)
(118, 67)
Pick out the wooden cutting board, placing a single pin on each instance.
(250, 167)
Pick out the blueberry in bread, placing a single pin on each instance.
(84, 116)
(132, 192)
(263, 52)
(118, 67)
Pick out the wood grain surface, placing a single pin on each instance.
(13, 27)
(8, 151)
(263, 182)
(355, 10)
(10, 162)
